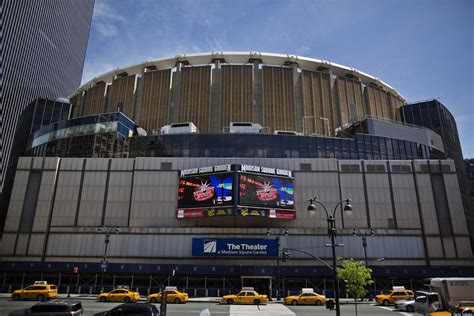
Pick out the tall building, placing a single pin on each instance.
(237, 143)
(43, 50)
(434, 115)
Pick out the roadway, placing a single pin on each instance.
(194, 308)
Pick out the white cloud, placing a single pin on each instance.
(105, 20)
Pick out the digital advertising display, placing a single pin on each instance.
(265, 191)
(207, 190)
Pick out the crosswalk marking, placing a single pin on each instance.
(264, 310)
(399, 312)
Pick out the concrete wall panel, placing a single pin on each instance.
(65, 204)
(36, 244)
(456, 208)
(22, 244)
(428, 209)
(379, 200)
(43, 205)
(434, 247)
(7, 244)
(405, 200)
(20, 184)
(352, 186)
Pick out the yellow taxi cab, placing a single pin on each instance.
(120, 294)
(172, 296)
(40, 290)
(246, 296)
(306, 297)
(396, 294)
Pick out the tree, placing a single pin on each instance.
(358, 276)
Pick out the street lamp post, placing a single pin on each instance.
(331, 219)
(283, 231)
(107, 231)
(369, 232)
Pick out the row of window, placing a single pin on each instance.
(367, 147)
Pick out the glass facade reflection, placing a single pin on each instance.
(88, 125)
(363, 146)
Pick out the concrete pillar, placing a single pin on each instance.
(214, 112)
(174, 95)
(298, 97)
(257, 90)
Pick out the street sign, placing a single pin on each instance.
(103, 264)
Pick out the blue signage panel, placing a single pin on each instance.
(215, 247)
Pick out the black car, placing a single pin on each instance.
(132, 310)
(56, 307)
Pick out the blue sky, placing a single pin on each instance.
(424, 49)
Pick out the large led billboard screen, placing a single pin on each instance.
(265, 191)
(205, 190)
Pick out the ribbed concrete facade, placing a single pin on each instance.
(43, 49)
(281, 92)
(58, 203)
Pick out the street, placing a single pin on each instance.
(92, 307)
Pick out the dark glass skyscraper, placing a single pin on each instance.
(43, 50)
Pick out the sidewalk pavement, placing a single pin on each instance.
(191, 299)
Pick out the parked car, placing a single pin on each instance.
(245, 297)
(172, 296)
(56, 307)
(40, 290)
(407, 305)
(119, 295)
(306, 298)
(393, 295)
(132, 309)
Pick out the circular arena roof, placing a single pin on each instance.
(242, 58)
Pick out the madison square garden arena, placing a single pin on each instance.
(195, 171)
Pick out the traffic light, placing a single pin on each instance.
(285, 255)
(346, 285)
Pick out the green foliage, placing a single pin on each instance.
(357, 275)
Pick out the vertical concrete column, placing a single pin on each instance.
(108, 92)
(257, 93)
(215, 111)
(137, 100)
(298, 97)
(335, 101)
(173, 109)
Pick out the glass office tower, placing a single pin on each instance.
(43, 50)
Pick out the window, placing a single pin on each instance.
(250, 294)
(166, 166)
(305, 167)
